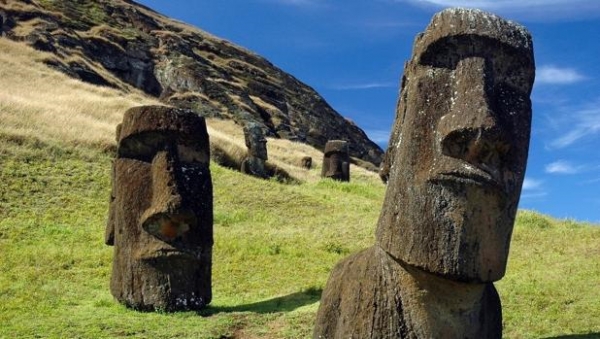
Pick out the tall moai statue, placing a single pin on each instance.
(254, 163)
(459, 149)
(336, 161)
(161, 211)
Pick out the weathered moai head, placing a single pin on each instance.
(306, 162)
(459, 147)
(255, 162)
(255, 141)
(336, 161)
(161, 211)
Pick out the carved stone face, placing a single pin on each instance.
(160, 218)
(255, 141)
(336, 161)
(460, 153)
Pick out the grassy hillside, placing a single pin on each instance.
(274, 243)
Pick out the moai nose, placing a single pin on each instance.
(471, 131)
(167, 218)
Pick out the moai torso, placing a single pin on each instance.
(336, 161)
(455, 166)
(160, 216)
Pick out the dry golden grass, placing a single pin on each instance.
(37, 102)
(283, 153)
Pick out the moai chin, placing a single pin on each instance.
(254, 163)
(161, 211)
(336, 161)
(456, 162)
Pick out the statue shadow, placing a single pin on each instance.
(285, 303)
(576, 336)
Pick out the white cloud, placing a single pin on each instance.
(531, 184)
(533, 189)
(585, 124)
(542, 10)
(390, 24)
(555, 75)
(379, 136)
(505, 4)
(562, 167)
(368, 85)
(299, 3)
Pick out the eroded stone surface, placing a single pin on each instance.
(371, 295)
(455, 167)
(336, 161)
(161, 216)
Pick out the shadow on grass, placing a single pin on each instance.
(576, 336)
(285, 303)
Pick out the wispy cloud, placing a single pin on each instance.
(390, 24)
(531, 184)
(299, 3)
(506, 4)
(585, 124)
(367, 85)
(532, 9)
(378, 136)
(533, 189)
(563, 167)
(557, 76)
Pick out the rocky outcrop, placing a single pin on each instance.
(120, 43)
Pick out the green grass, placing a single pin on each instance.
(274, 247)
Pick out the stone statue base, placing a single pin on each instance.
(371, 295)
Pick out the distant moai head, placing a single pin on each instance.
(161, 211)
(306, 162)
(255, 141)
(459, 147)
(336, 161)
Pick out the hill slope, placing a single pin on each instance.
(121, 44)
(275, 244)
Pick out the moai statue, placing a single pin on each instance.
(161, 211)
(254, 163)
(336, 161)
(459, 150)
(306, 162)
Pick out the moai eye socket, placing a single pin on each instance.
(191, 155)
(144, 146)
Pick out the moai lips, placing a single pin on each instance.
(454, 168)
(160, 217)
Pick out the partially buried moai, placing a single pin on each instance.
(255, 162)
(458, 153)
(336, 161)
(161, 211)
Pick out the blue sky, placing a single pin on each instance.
(352, 52)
